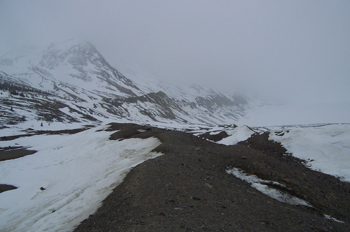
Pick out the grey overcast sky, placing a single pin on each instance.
(295, 50)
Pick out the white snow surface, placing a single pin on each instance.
(236, 135)
(326, 147)
(76, 171)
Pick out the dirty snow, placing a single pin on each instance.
(261, 186)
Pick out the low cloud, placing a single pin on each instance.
(290, 51)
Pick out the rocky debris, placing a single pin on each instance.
(157, 195)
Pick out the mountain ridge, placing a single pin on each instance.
(74, 74)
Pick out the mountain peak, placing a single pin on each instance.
(76, 52)
(75, 76)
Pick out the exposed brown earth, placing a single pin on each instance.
(188, 189)
(7, 153)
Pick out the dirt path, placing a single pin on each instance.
(188, 189)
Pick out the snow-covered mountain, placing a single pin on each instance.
(71, 82)
(68, 174)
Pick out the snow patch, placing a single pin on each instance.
(238, 134)
(261, 185)
(332, 218)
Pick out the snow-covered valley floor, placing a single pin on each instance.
(70, 175)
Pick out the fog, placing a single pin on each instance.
(292, 51)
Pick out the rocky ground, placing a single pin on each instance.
(188, 189)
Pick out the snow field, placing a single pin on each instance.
(326, 147)
(67, 179)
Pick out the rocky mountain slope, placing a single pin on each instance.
(71, 82)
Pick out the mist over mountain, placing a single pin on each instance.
(174, 115)
(73, 126)
(71, 82)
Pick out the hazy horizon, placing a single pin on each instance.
(292, 51)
